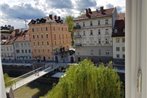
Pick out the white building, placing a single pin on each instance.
(92, 35)
(118, 36)
(7, 50)
(22, 46)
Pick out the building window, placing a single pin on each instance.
(55, 36)
(91, 32)
(123, 56)
(115, 30)
(25, 51)
(46, 35)
(107, 52)
(98, 22)
(32, 29)
(123, 40)
(106, 40)
(38, 43)
(106, 32)
(47, 43)
(42, 43)
(123, 49)
(17, 51)
(99, 41)
(33, 36)
(83, 33)
(117, 40)
(106, 21)
(99, 32)
(117, 55)
(37, 36)
(117, 49)
(29, 51)
(83, 24)
(41, 36)
(46, 29)
(91, 23)
(22, 51)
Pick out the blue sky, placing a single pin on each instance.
(12, 10)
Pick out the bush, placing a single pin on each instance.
(87, 81)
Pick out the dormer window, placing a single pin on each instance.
(115, 30)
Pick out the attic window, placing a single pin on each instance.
(115, 30)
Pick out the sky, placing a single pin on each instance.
(15, 12)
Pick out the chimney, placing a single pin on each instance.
(50, 16)
(55, 17)
(97, 10)
(89, 10)
(87, 13)
(102, 9)
(59, 18)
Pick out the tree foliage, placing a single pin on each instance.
(7, 80)
(69, 21)
(87, 81)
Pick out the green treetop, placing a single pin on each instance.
(87, 81)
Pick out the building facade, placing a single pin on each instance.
(7, 50)
(118, 36)
(48, 36)
(92, 34)
(22, 46)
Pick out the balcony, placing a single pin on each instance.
(77, 36)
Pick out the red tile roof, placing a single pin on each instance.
(121, 16)
(106, 12)
(119, 26)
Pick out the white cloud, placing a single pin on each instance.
(53, 8)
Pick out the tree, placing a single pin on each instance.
(70, 23)
(7, 80)
(87, 81)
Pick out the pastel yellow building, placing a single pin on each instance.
(47, 35)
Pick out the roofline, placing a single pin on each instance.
(92, 18)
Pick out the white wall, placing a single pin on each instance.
(136, 48)
(7, 52)
(25, 46)
(119, 44)
(90, 42)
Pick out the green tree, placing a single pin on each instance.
(70, 23)
(7, 80)
(87, 81)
